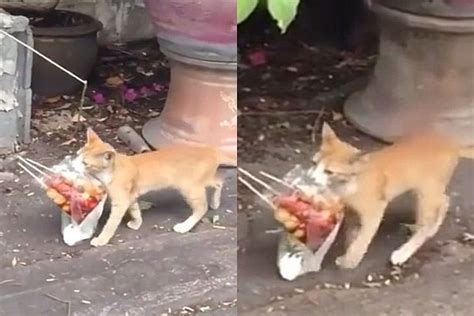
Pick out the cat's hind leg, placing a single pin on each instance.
(432, 209)
(135, 213)
(197, 201)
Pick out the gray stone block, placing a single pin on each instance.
(15, 82)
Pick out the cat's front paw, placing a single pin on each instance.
(98, 242)
(134, 224)
(181, 228)
(346, 262)
(399, 257)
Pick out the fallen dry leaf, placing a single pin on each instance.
(68, 142)
(336, 116)
(52, 100)
(78, 118)
(114, 82)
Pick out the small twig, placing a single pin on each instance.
(255, 191)
(269, 176)
(57, 299)
(81, 103)
(219, 227)
(254, 178)
(6, 281)
(125, 261)
(317, 124)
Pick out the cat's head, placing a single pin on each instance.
(335, 157)
(96, 157)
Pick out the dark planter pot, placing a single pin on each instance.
(73, 46)
(200, 40)
(424, 72)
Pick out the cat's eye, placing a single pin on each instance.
(108, 155)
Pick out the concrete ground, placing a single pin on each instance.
(153, 271)
(438, 280)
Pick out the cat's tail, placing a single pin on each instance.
(227, 160)
(466, 152)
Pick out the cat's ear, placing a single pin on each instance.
(92, 137)
(328, 134)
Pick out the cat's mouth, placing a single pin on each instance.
(78, 165)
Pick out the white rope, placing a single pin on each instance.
(44, 57)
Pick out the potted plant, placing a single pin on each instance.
(199, 39)
(424, 72)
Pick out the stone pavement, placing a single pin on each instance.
(437, 281)
(153, 271)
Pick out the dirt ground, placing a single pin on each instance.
(281, 96)
(152, 271)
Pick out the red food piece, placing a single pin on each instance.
(79, 207)
(318, 221)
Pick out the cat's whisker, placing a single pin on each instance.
(256, 192)
(38, 179)
(271, 177)
(254, 178)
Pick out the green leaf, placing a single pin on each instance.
(283, 11)
(244, 9)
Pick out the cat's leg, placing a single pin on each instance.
(351, 228)
(216, 196)
(197, 200)
(370, 214)
(135, 213)
(431, 212)
(119, 208)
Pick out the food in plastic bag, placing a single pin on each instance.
(311, 216)
(76, 194)
(79, 196)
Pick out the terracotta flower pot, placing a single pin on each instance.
(199, 39)
(424, 72)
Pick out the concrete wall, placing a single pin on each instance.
(123, 20)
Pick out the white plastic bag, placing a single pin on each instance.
(73, 233)
(294, 257)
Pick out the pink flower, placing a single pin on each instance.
(145, 92)
(98, 97)
(257, 57)
(130, 95)
(158, 87)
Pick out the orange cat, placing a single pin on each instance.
(422, 163)
(189, 169)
